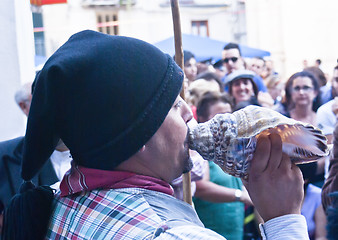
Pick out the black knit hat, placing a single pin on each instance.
(104, 96)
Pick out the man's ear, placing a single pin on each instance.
(223, 54)
(24, 108)
(244, 63)
(22, 105)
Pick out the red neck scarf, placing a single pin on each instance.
(79, 179)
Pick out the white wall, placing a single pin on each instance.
(146, 20)
(16, 63)
(293, 31)
(150, 22)
(63, 20)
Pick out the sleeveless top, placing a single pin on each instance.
(227, 219)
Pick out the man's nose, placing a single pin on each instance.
(187, 113)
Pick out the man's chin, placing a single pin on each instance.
(188, 165)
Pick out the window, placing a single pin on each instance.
(39, 35)
(108, 23)
(200, 28)
(103, 2)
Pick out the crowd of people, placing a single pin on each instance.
(109, 135)
(307, 96)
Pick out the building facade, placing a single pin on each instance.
(149, 20)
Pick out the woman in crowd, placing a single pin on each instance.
(300, 101)
(242, 87)
(301, 91)
(275, 87)
(219, 198)
(205, 82)
(190, 66)
(244, 91)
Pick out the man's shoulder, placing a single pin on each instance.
(326, 119)
(325, 109)
(11, 142)
(327, 104)
(325, 93)
(8, 147)
(260, 83)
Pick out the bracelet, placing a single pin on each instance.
(238, 195)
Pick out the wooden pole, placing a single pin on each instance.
(187, 196)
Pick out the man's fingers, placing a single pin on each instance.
(296, 171)
(276, 152)
(261, 155)
(285, 162)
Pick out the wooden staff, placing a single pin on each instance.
(187, 197)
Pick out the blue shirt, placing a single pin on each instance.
(260, 84)
(325, 93)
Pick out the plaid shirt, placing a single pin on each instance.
(126, 214)
(98, 204)
(117, 214)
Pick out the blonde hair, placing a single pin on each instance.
(198, 88)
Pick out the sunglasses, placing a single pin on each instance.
(233, 59)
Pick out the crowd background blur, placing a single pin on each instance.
(299, 78)
(34, 30)
(299, 97)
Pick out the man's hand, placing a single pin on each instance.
(275, 185)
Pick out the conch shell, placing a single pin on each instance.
(230, 140)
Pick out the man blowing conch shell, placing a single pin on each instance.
(125, 124)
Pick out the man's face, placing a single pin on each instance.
(335, 82)
(169, 146)
(257, 66)
(232, 60)
(26, 105)
(217, 108)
